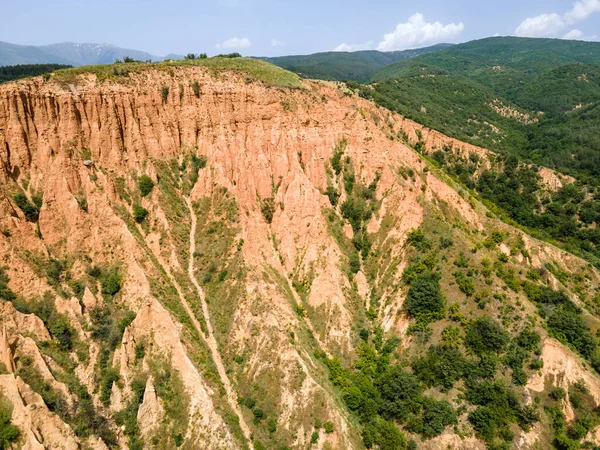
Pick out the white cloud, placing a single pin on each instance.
(235, 43)
(416, 32)
(552, 24)
(540, 26)
(578, 35)
(582, 10)
(354, 47)
(573, 34)
(277, 42)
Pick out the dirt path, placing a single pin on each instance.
(209, 337)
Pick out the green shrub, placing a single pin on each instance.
(385, 435)
(558, 393)
(354, 262)
(418, 240)
(267, 209)
(139, 213)
(465, 283)
(199, 162)
(314, 438)
(567, 325)
(196, 89)
(437, 415)
(333, 195)
(486, 335)
(31, 211)
(442, 366)
(400, 392)
(328, 427)
(145, 185)
(110, 376)
(424, 299)
(164, 92)
(5, 292)
(110, 282)
(83, 204)
(9, 433)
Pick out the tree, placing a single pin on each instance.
(486, 336)
(424, 300)
(399, 391)
(189, 56)
(436, 416)
(139, 213)
(145, 184)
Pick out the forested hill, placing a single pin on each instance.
(535, 98)
(358, 66)
(531, 100)
(9, 73)
(478, 59)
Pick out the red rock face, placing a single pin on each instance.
(283, 290)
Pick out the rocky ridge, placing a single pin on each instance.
(240, 271)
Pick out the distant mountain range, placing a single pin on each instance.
(71, 53)
(357, 66)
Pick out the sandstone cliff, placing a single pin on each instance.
(242, 268)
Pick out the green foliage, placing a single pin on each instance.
(10, 73)
(465, 283)
(566, 324)
(486, 336)
(83, 203)
(145, 185)
(229, 55)
(442, 366)
(58, 324)
(164, 92)
(110, 376)
(314, 438)
(6, 293)
(30, 210)
(9, 433)
(437, 415)
(342, 66)
(385, 435)
(267, 208)
(498, 407)
(451, 337)
(139, 213)
(418, 239)
(424, 299)
(170, 389)
(417, 266)
(333, 195)
(328, 427)
(196, 89)
(110, 282)
(548, 118)
(558, 393)
(127, 417)
(400, 392)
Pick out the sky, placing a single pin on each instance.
(284, 27)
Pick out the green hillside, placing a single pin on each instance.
(534, 98)
(358, 66)
(513, 56)
(531, 100)
(9, 73)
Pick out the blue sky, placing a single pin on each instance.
(279, 27)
